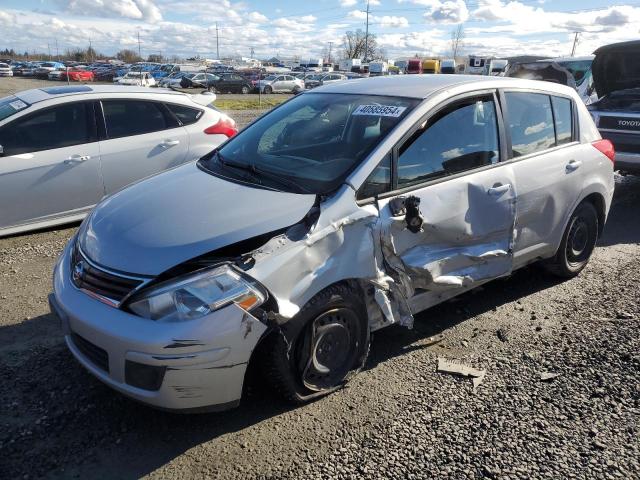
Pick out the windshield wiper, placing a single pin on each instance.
(257, 172)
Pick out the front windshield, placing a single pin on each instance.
(578, 69)
(311, 143)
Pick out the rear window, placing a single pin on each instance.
(125, 118)
(186, 115)
(11, 105)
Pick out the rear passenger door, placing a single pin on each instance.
(449, 170)
(546, 159)
(139, 138)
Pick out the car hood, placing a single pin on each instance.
(160, 222)
(612, 67)
(546, 71)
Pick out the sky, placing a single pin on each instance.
(288, 28)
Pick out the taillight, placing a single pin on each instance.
(225, 126)
(606, 147)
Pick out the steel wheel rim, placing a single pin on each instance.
(578, 241)
(329, 349)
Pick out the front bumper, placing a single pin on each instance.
(201, 363)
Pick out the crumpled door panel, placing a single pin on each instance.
(466, 237)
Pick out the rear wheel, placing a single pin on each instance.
(244, 90)
(578, 242)
(321, 348)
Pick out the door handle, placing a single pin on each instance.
(573, 165)
(73, 159)
(169, 143)
(499, 189)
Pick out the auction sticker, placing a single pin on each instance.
(379, 110)
(18, 104)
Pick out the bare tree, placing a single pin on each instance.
(354, 44)
(457, 40)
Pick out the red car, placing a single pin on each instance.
(77, 75)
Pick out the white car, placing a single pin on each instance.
(280, 84)
(139, 79)
(347, 209)
(5, 70)
(63, 149)
(56, 74)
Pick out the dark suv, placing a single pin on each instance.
(616, 76)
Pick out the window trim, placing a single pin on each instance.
(167, 114)
(575, 123)
(166, 104)
(502, 146)
(89, 114)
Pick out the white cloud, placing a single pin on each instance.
(391, 21)
(348, 3)
(613, 18)
(257, 17)
(451, 11)
(134, 9)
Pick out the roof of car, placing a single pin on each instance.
(41, 94)
(423, 86)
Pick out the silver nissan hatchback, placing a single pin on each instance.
(347, 209)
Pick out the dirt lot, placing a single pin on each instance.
(397, 419)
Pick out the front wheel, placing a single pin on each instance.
(268, 90)
(578, 243)
(244, 90)
(322, 347)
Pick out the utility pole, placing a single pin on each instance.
(49, 48)
(57, 51)
(252, 52)
(330, 47)
(139, 50)
(575, 44)
(90, 51)
(366, 35)
(217, 44)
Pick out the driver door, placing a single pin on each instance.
(451, 224)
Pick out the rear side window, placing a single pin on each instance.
(125, 118)
(530, 122)
(186, 115)
(563, 119)
(461, 137)
(50, 128)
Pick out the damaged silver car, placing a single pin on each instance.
(346, 209)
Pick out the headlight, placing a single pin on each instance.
(197, 295)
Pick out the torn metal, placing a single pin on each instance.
(456, 368)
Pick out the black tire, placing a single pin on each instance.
(330, 333)
(245, 90)
(578, 242)
(296, 90)
(267, 90)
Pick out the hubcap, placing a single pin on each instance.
(329, 349)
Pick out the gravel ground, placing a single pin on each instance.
(398, 419)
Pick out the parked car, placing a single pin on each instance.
(27, 69)
(174, 79)
(79, 75)
(140, 79)
(63, 148)
(5, 70)
(199, 80)
(44, 68)
(324, 79)
(233, 83)
(616, 78)
(280, 84)
(57, 74)
(290, 243)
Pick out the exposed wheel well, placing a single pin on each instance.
(598, 202)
